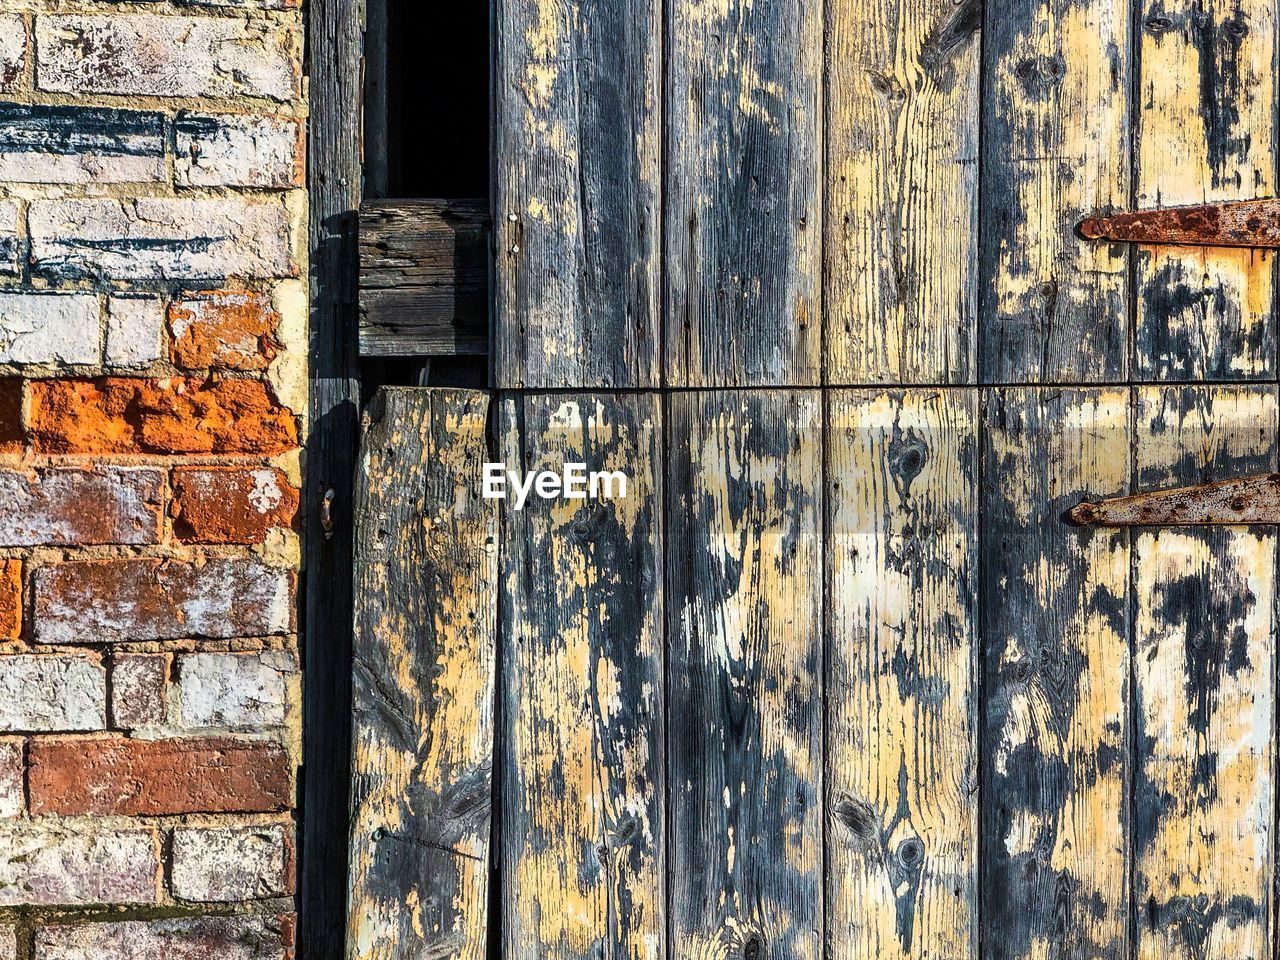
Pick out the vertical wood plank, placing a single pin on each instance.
(426, 600)
(743, 193)
(334, 50)
(901, 755)
(1204, 629)
(1206, 131)
(577, 150)
(1056, 633)
(902, 190)
(1054, 148)
(583, 785)
(744, 594)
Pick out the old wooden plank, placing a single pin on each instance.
(1056, 631)
(424, 277)
(577, 148)
(1205, 131)
(426, 600)
(1054, 306)
(334, 31)
(744, 679)
(901, 180)
(743, 215)
(1204, 674)
(901, 764)
(582, 834)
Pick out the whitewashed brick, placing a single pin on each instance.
(189, 938)
(138, 684)
(146, 54)
(8, 943)
(74, 144)
(160, 239)
(42, 328)
(13, 51)
(53, 865)
(46, 693)
(236, 151)
(225, 864)
(12, 793)
(134, 328)
(232, 689)
(10, 262)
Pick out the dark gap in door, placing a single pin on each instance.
(426, 135)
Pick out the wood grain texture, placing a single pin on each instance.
(901, 760)
(1204, 675)
(1205, 131)
(902, 181)
(1056, 629)
(583, 791)
(424, 278)
(577, 150)
(1055, 148)
(743, 217)
(744, 677)
(334, 46)
(426, 602)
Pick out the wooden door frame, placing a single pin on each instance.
(333, 64)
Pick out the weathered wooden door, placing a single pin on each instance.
(837, 678)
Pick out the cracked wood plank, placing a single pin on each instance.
(1204, 673)
(1205, 131)
(577, 145)
(426, 589)
(1055, 148)
(582, 826)
(902, 181)
(743, 219)
(744, 677)
(1056, 630)
(901, 752)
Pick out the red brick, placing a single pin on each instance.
(131, 778)
(10, 599)
(186, 938)
(60, 506)
(128, 415)
(137, 689)
(12, 436)
(231, 504)
(101, 601)
(230, 329)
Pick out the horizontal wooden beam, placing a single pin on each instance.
(424, 278)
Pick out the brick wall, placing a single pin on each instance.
(152, 351)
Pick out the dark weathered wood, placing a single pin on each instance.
(1055, 148)
(902, 190)
(426, 599)
(375, 116)
(424, 277)
(333, 180)
(901, 753)
(583, 807)
(577, 146)
(1056, 625)
(1203, 659)
(744, 674)
(1204, 130)
(743, 219)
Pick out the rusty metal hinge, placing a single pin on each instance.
(1239, 223)
(1254, 499)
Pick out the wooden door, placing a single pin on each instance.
(838, 679)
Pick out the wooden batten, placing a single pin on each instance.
(424, 278)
